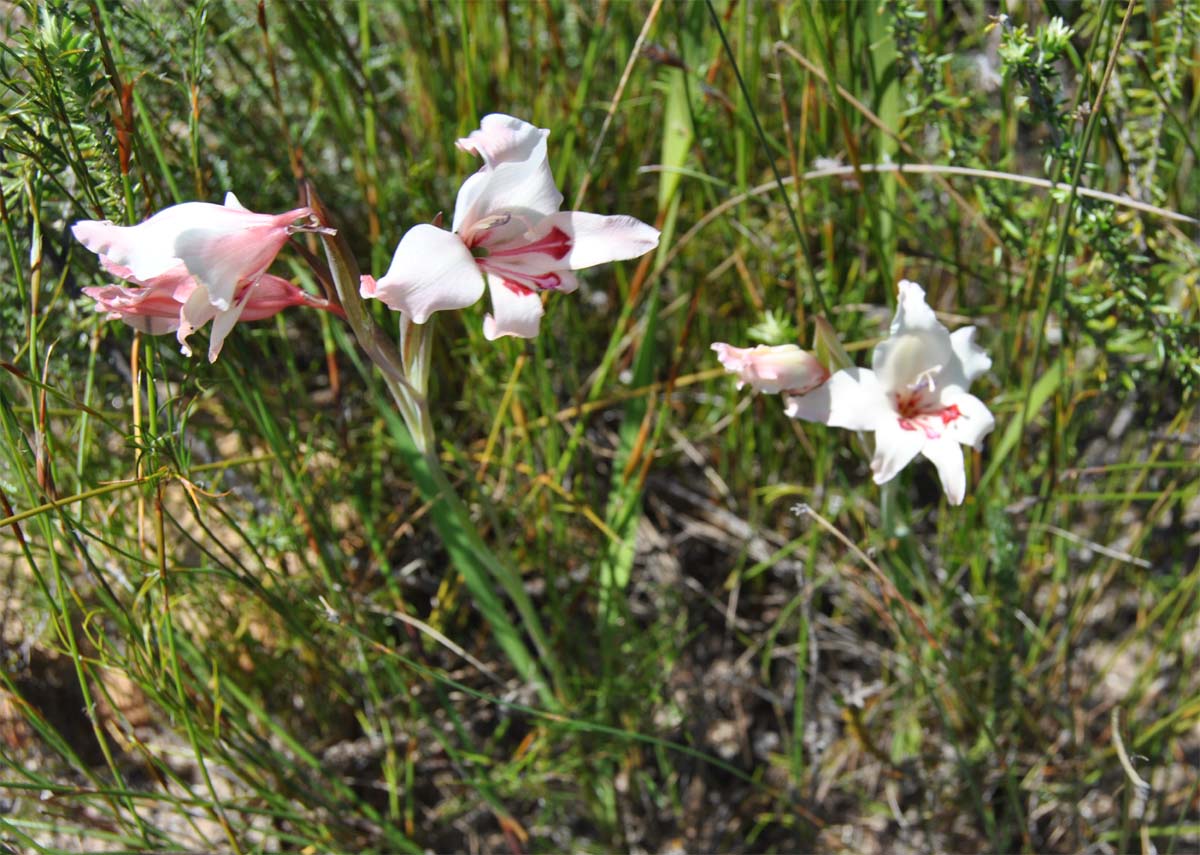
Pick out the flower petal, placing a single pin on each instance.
(974, 420)
(525, 188)
(895, 448)
(515, 177)
(147, 249)
(153, 307)
(851, 399)
(518, 310)
(224, 251)
(196, 312)
(272, 294)
(154, 311)
(906, 360)
(734, 360)
(597, 239)
(912, 312)
(947, 456)
(232, 201)
(503, 138)
(972, 360)
(431, 271)
(222, 325)
(917, 346)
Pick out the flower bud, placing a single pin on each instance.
(782, 368)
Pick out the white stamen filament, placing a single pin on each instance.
(925, 379)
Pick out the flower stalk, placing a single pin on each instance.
(405, 372)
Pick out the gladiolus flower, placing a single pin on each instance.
(782, 368)
(914, 397)
(507, 230)
(204, 257)
(157, 307)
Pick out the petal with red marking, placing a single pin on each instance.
(598, 239)
(974, 420)
(516, 311)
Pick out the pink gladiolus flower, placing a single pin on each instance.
(507, 230)
(157, 307)
(914, 397)
(205, 257)
(783, 368)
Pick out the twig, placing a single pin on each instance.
(421, 626)
(1095, 547)
(1141, 789)
(890, 592)
(616, 99)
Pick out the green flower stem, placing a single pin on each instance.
(406, 373)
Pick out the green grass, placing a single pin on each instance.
(242, 611)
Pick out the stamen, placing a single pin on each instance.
(485, 229)
(313, 226)
(925, 379)
(492, 222)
